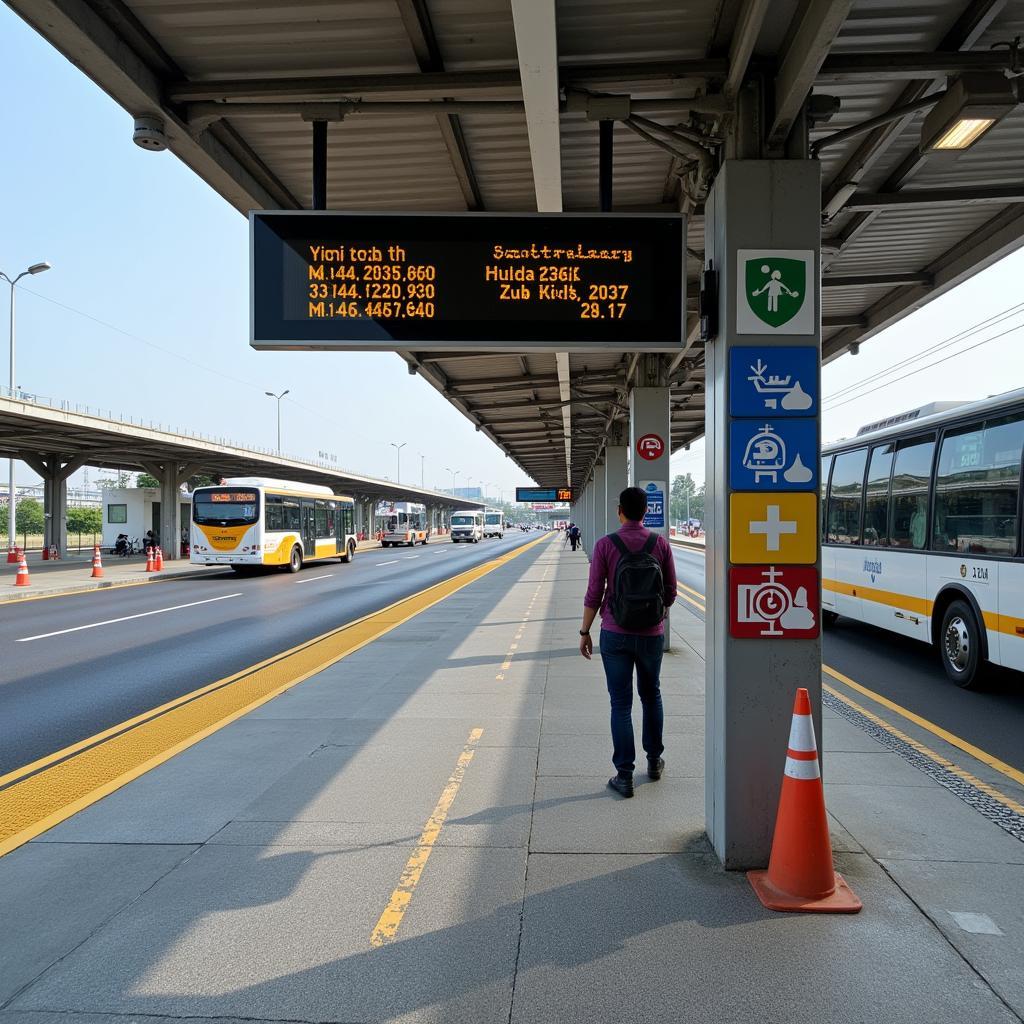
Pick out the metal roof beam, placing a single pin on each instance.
(744, 39)
(994, 195)
(819, 23)
(845, 67)
(873, 280)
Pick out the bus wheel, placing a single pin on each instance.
(350, 552)
(960, 646)
(295, 562)
(829, 618)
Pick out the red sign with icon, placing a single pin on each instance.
(767, 601)
(650, 447)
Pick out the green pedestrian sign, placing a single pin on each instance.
(772, 291)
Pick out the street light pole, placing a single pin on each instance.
(270, 394)
(36, 268)
(423, 462)
(398, 449)
(454, 473)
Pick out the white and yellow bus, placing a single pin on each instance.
(248, 525)
(921, 531)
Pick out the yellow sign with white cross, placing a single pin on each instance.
(779, 528)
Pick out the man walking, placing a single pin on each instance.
(632, 582)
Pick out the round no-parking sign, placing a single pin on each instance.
(650, 447)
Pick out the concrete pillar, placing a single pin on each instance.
(55, 475)
(650, 438)
(601, 525)
(171, 476)
(616, 480)
(762, 219)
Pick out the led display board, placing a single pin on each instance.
(546, 282)
(544, 494)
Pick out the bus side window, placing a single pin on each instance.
(293, 514)
(911, 476)
(275, 513)
(876, 496)
(846, 497)
(321, 518)
(826, 466)
(976, 488)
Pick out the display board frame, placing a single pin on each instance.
(556, 495)
(661, 273)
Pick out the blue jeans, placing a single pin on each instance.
(620, 653)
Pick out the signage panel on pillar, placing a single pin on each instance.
(773, 456)
(654, 517)
(773, 528)
(552, 494)
(775, 382)
(650, 447)
(768, 601)
(775, 291)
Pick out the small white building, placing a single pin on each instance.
(134, 510)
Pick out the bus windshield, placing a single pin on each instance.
(463, 520)
(226, 508)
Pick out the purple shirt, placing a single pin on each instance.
(602, 575)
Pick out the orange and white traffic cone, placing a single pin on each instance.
(800, 875)
(150, 560)
(22, 580)
(159, 559)
(54, 553)
(97, 563)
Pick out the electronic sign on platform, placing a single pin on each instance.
(505, 282)
(552, 494)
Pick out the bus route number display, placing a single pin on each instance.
(548, 282)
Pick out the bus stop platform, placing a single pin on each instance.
(422, 832)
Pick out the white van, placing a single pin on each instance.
(494, 523)
(467, 525)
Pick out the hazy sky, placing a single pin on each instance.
(138, 242)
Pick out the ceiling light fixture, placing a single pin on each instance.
(973, 103)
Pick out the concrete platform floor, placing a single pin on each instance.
(243, 880)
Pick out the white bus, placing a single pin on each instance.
(494, 523)
(922, 531)
(402, 522)
(249, 525)
(468, 526)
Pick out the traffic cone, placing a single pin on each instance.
(150, 561)
(22, 580)
(54, 553)
(800, 875)
(159, 559)
(97, 563)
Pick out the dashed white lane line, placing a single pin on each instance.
(313, 579)
(412, 556)
(125, 618)
(394, 561)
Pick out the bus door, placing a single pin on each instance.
(309, 529)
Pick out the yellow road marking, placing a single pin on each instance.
(928, 752)
(689, 590)
(936, 730)
(696, 604)
(387, 925)
(40, 795)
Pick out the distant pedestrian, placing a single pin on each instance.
(632, 583)
(574, 536)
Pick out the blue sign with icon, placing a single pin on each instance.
(778, 382)
(773, 455)
(654, 518)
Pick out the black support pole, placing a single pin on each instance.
(319, 165)
(605, 165)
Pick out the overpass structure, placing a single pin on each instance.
(870, 145)
(57, 439)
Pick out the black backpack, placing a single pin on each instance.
(638, 598)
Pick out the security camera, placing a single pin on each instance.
(149, 133)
